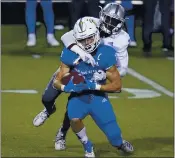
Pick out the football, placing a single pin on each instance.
(78, 78)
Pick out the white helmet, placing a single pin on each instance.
(112, 17)
(86, 34)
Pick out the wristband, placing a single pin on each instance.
(62, 87)
(97, 87)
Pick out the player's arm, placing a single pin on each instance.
(115, 83)
(123, 63)
(122, 53)
(64, 69)
(70, 43)
(68, 39)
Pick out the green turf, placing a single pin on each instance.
(147, 123)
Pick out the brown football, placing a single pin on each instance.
(78, 78)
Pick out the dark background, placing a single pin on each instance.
(14, 12)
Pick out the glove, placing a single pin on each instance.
(84, 56)
(92, 86)
(71, 87)
(98, 76)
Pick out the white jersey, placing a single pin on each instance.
(119, 42)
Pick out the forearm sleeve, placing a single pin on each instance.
(122, 63)
(68, 39)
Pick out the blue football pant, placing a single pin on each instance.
(31, 15)
(101, 111)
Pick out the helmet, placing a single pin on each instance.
(112, 18)
(86, 34)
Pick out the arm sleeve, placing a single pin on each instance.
(122, 54)
(68, 39)
(122, 63)
(67, 57)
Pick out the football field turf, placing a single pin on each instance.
(144, 112)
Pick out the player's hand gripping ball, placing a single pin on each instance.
(74, 82)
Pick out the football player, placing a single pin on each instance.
(110, 24)
(90, 98)
(112, 18)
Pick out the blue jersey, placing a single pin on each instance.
(104, 58)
